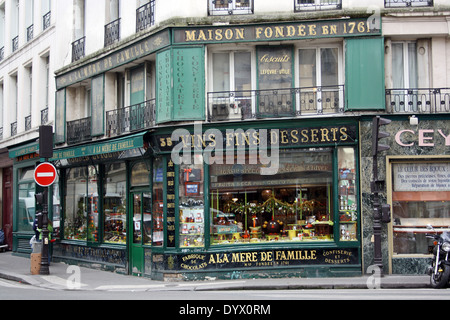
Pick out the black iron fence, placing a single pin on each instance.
(315, 5)
(274, 103)
(145, 16)
(112, 32)
(78, 49)
(79, 130)
(431, 100)
(132, 118)
(407, 3)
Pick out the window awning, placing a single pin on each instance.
(117, 145)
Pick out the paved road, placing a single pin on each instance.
(17, 291)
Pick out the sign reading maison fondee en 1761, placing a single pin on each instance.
(285, 31)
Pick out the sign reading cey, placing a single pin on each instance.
(425, 137)
(288, 31)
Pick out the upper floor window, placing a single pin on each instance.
(145, 15)
(407, 3)
(223, 7)
(301, 5)
(273, 81)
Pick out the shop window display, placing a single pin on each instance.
(27, 210)
(294, 205)
(114, 204)
(158, 203)
(81, 205)
(192, 218)
(348, 214)
(420, 196)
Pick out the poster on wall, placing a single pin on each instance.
(410, 177)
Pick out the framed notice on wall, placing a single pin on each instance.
(432, 176)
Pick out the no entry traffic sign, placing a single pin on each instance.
(45, 174)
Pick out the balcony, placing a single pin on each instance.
(145, 16)
(132, 118)
(44, 116)
(112, 32)
(317, 5)
(230, 7)
(28, 123)
(275, 103)
(30, 33)
(15, 44)
(407, 3)
(78, 49)
(421, 101)
(79, 131)
(46, 20)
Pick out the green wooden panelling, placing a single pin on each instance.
(364, 74)
(164, 92)
(189, 83)
(180, 84)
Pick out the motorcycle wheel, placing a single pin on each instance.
(440, 280)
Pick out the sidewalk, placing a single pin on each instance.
(62, 278)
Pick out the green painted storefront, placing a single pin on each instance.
(171, 223)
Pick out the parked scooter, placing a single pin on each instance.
(439, 270)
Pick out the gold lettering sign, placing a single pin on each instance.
(291, 31)
(272, 258)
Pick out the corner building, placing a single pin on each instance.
(166, 135)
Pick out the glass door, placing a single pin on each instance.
(142, 230)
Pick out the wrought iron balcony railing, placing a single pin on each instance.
(316, 5)
(79, 130)
(78, 49)
(431, 100)
(14, 129)
(224, 7)
(44, 116)
(407, 3)
(275, 103)
(145, 16)
(46, 20)
(112, 32)
(132, 118)
(30, 33)
(15, 44)
(28, 123)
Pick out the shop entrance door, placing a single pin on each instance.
(141, 228)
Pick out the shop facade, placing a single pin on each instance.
(219, 151)
(417, 185)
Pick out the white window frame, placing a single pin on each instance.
(234, 49)
(318, 5)
(232, 8)
(341, 73)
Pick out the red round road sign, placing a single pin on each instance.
(45, 174)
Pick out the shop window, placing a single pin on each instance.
(420, 196)
(158, 203)
(191, 194)
(348, 206)
(114, 204)
(295, 205)
(81, 204)
(27, 211)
